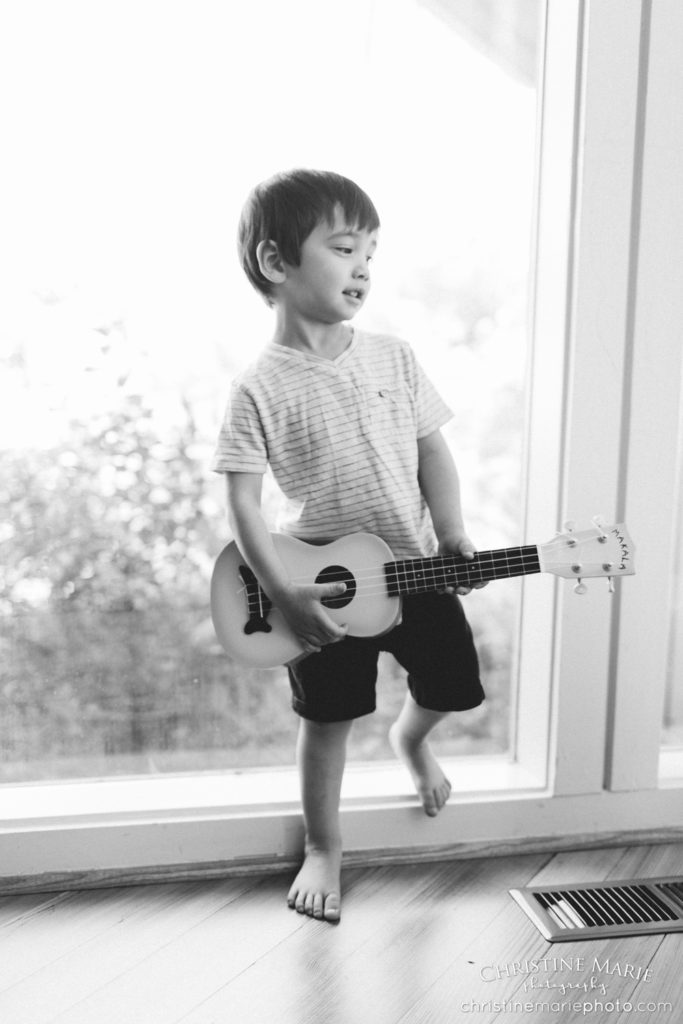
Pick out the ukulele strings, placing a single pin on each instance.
(370, 583)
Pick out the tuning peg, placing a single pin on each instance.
(569, 525)
(599, 521)
(580, 587)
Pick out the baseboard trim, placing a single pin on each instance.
(65, 881)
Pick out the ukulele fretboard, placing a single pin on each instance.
(419, 575)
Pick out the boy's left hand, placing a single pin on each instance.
(459, 544)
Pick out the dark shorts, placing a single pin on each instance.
(433, 642)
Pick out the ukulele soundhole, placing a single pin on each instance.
(338, 574)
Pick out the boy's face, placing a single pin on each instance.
(333, 279)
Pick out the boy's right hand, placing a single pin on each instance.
(301, 605)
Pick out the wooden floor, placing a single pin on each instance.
(416, 944)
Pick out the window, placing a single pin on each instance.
(585, 758)
(129, 315)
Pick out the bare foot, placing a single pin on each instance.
(431, 784)
(316, 890)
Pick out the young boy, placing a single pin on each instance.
(349, 425)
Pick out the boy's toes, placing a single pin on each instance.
(296, 900)
(332, 907)
(319, 906)
(308, 904)
(430, 806)
(326, 908)
(434, 799)
(322, 907)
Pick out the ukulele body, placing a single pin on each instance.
(254, 632)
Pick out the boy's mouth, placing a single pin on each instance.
(354, 293)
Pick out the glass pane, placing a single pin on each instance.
(137, 130)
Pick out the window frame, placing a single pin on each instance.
(573, 778)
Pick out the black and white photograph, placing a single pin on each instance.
(341, 504)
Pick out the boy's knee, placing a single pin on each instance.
(325, 731)
(341, 726)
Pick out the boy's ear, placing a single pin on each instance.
(270, 262)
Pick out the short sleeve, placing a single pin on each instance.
(431, 410)
(241, 446)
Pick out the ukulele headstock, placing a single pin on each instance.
(602, 550)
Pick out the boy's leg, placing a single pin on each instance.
(321, 755)
(408, 738)
(434, 644)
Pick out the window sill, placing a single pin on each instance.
(132, 831)
(41, 805)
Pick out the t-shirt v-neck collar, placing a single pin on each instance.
(311, 357)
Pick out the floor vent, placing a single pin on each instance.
(636, 906)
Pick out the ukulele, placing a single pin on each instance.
(254, 632)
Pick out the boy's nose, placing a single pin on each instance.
(362, 270)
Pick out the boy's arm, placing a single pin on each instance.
(300, 604)
(440, 486)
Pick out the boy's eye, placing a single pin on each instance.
(348, 250)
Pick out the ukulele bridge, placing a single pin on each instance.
(258, 603)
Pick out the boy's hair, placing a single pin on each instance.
(286, 208)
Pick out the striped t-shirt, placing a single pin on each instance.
(340, 437)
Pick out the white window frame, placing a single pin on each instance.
(586, 764)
